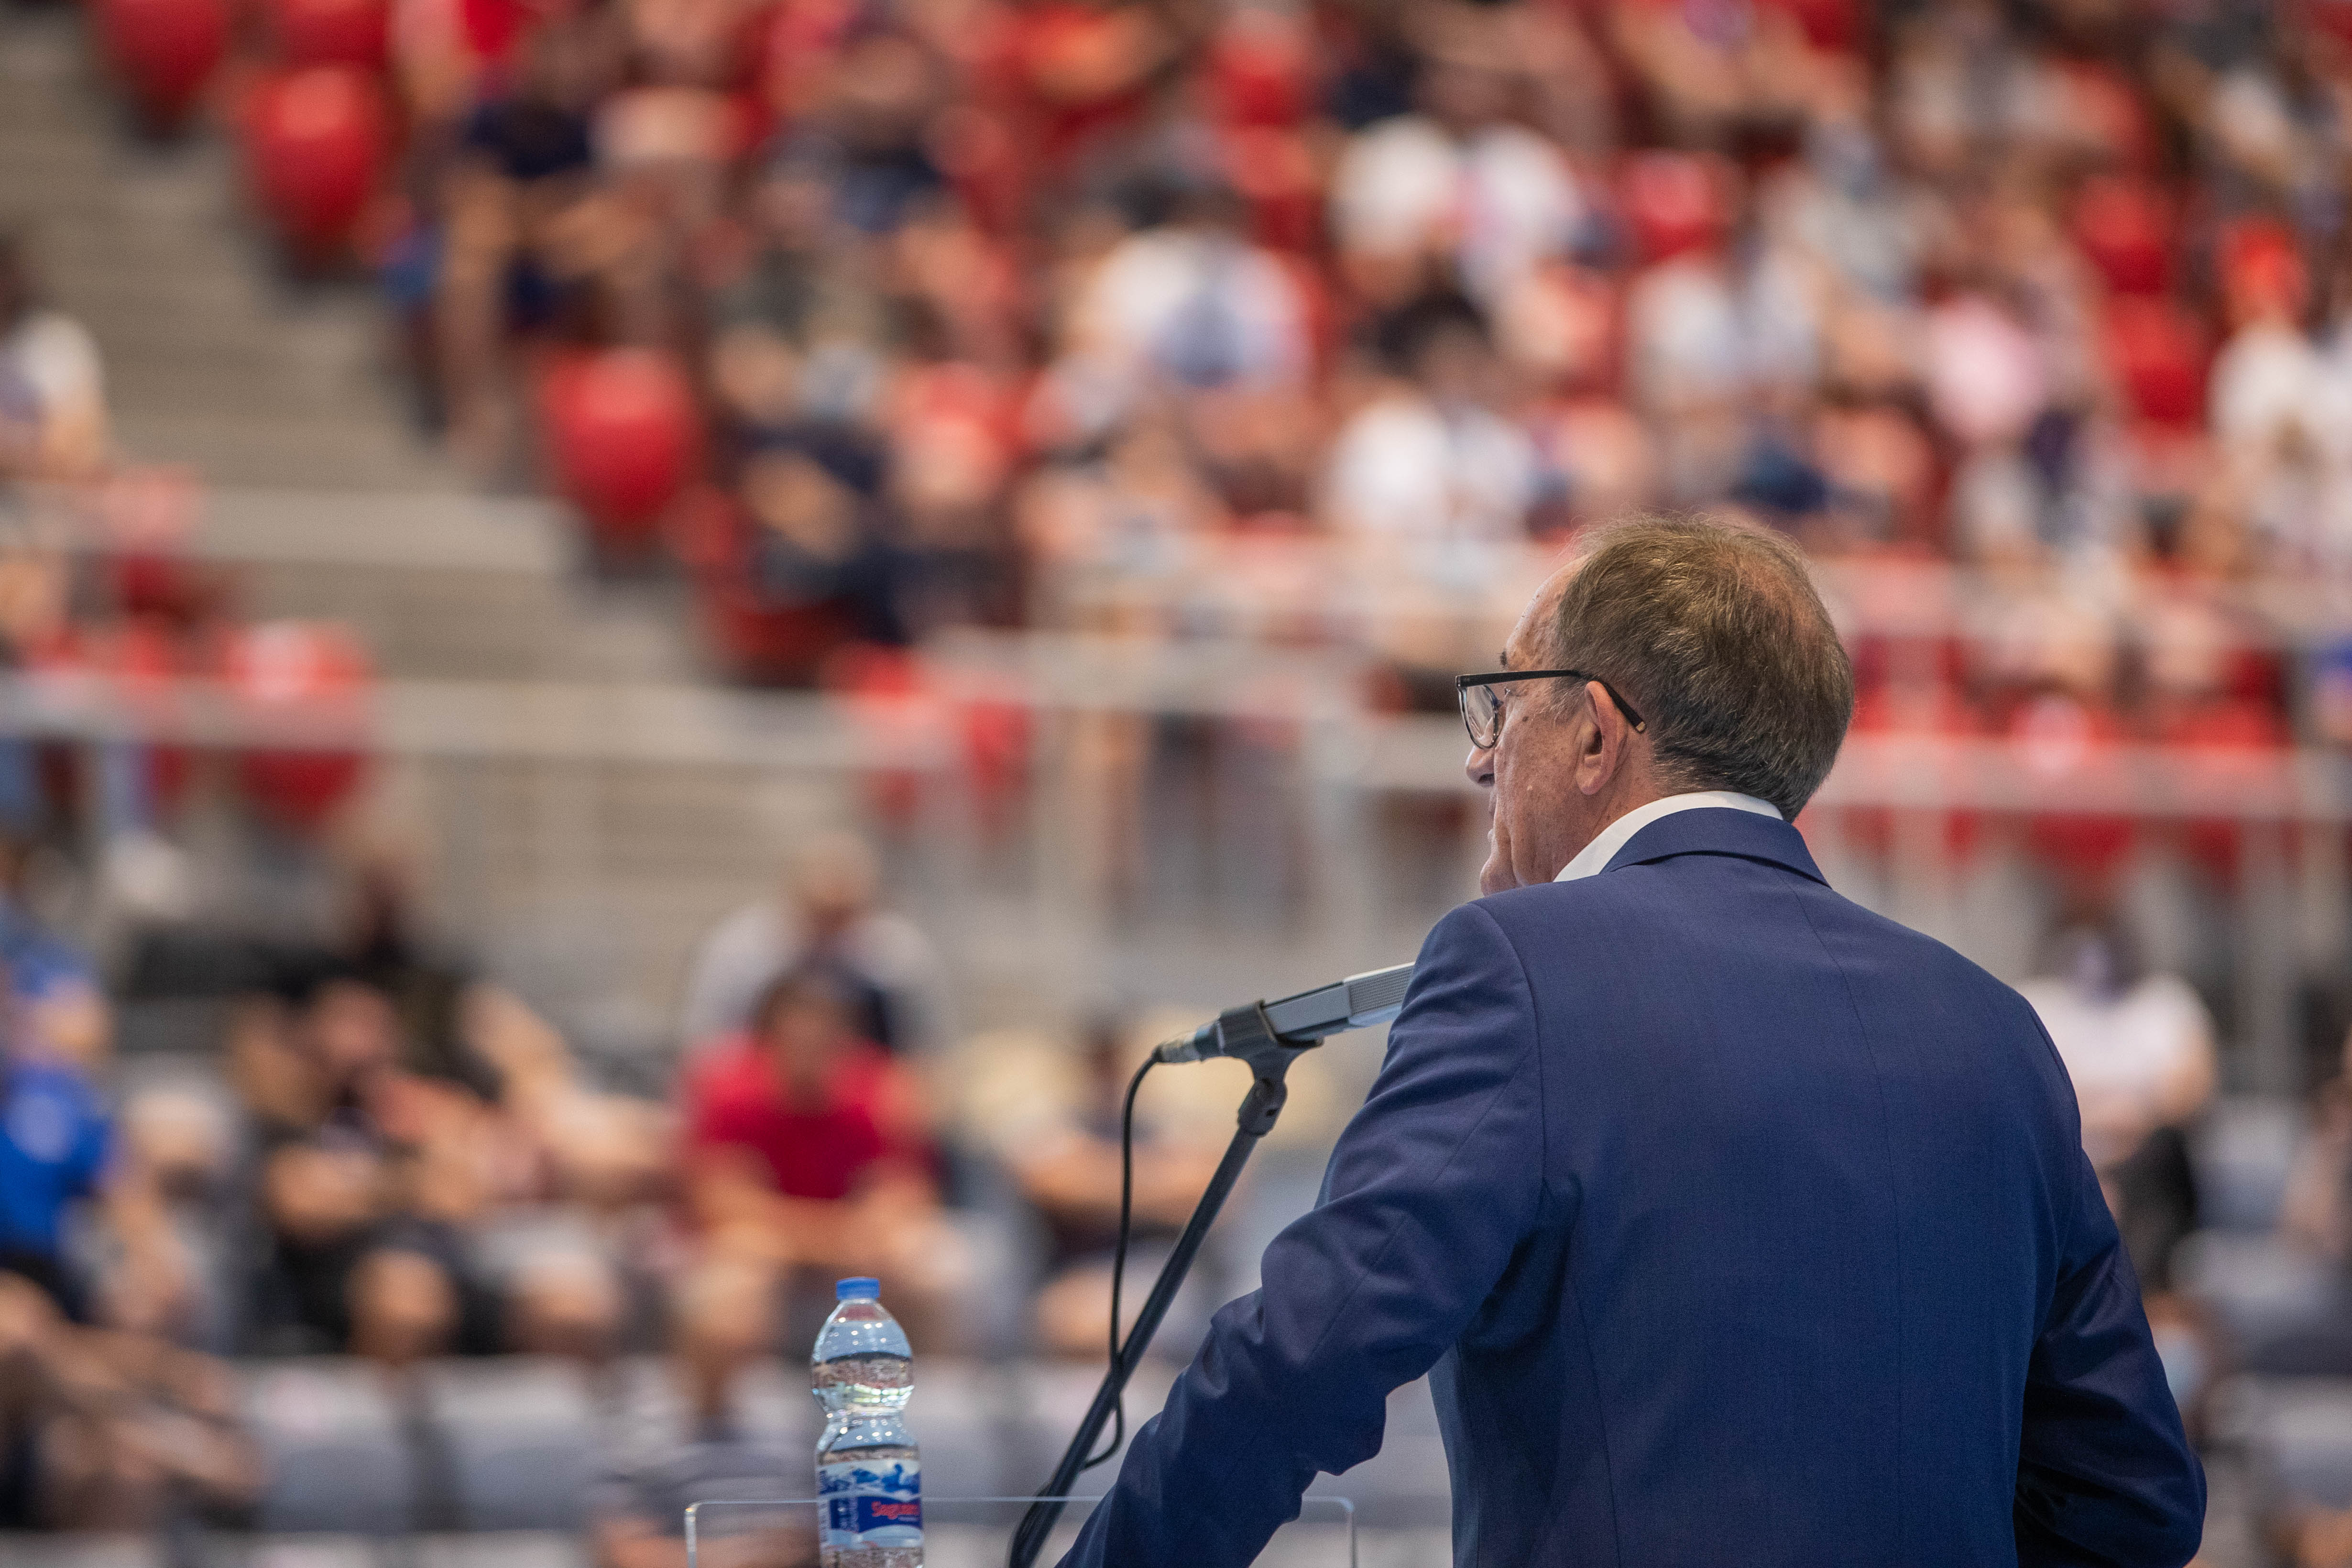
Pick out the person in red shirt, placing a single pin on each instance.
(808, 1149)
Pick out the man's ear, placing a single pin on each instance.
(1592, 754)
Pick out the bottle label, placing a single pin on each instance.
(872, 1504)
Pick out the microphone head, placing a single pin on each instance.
(1378, 995)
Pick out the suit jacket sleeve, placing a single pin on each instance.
(1429, 1191)
(2105, 1473)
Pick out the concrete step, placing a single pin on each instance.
(285, 332)
(333, 453)
(323, 503)
(188, 293)
(28, 161)
(261, 391)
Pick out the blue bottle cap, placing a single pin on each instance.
(857, 1290)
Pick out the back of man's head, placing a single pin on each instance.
(1713, 631)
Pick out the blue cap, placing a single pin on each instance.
(859, 1288)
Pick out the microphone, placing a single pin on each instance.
(1307, 1019)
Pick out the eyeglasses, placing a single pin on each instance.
(1482, 703)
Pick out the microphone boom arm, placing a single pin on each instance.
(1269, 1036)
(1295, 1023)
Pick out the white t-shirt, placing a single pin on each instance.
(1505, 196)
(2269, 380)
(1203, 308)
(761, 942)
(2121, 1051)
(1405, 469)
(49, 365)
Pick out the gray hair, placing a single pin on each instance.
(1712, 631)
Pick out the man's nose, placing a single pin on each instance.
(1480, 766)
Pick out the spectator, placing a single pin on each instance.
(62, 1160)
(1723, 343)
(357, 1158)
(807, 1147)
(1136, 512)
(1714, 75)
(770, 300)
(827, 915)
(567, 1304)
(53, 419)
(60, 1007)
(2279, 411)
(1191, 305)
(2139, 1048)
(1062, 1150)
(1428, 474)
(436, 999)
(2317, 1210)
(404, 1307)
(56, 1149)
(870, 145)
(179, 1135)
(1458, 196)
(102, 1430)
(527, 222)
(821, 542)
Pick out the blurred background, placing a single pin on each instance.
(646, 641)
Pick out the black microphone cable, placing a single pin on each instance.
(1119, 1251)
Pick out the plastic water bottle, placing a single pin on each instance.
(870, 1473)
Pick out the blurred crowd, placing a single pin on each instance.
(96, 594)
(371, 1157)
(1100, 315)
(373, 1153)
(986, 305)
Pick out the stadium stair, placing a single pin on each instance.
(323, 500)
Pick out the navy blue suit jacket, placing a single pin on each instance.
(1733, 1223)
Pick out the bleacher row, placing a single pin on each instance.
(2281, 1317)
(514, 1447)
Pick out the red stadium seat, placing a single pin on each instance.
(623, 438)
(1276, 173)
(315, 143)
(148, 511)
(1833, 25)
(165, 52)
(1260, 70)
(2232, 746)
(331, 32)
(896, 697)
(2263, 271)
(1674, 204)
(753, 640)
(2063, 743)
(312, 676)
(1925, 714)
(2157, 352)
(2124, 228)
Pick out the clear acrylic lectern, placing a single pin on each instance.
(972, 1532)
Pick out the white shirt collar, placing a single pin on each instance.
(1591, 859)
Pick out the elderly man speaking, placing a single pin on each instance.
(1734, 1223)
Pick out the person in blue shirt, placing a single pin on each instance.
(55, 1132)
(56, 1140)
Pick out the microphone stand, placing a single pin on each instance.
(1244, 1033)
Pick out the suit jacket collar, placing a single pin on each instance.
(1716, 831)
